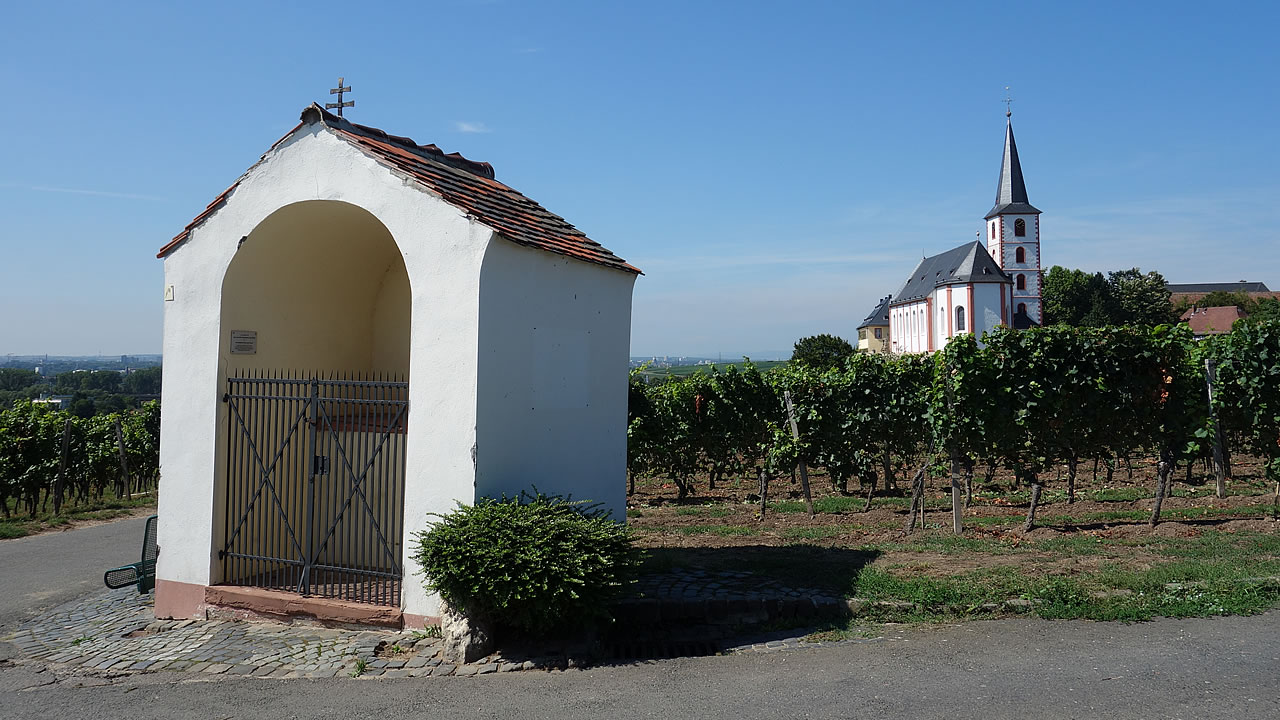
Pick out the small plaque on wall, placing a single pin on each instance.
(244, 342)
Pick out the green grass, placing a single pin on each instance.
(1072, 545)
(726, 530)
(21, 525)
(1213, 573)
(812, 533)
(949, 544)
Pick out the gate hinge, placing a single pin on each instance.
(319, 465)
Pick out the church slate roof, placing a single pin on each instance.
(1011, 191)
(967, 263)
(879, 316)
(465, 184)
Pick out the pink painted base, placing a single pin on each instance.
(179, 600)
(418, 622)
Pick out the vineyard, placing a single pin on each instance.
(1101, 458)
(49, 459)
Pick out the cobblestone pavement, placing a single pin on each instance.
(114, 633)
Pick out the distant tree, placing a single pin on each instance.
(1076, 298)
(822, 352)
(83, 407)
(109, 404)
(1222, 298)
(142, 382)
(1265, 310)
(1140, 298)
(17, 378)
(106, 380)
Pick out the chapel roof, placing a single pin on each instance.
(967, 263)
(879, 316)
(1011, 190)
(468, 185)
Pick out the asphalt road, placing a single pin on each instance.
(44, 571)
(1019, 669)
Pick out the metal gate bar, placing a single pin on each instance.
(315, 485)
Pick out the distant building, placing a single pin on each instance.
(1212, 320)
(54, 402)
(974, 288)
(1192, 292)
(873, 333)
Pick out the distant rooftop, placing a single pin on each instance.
(879, 316)
(1240, 286)
(1212, 321)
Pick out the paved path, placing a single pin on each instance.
(43, 571)
(1022, 668)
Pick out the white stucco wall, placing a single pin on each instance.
(442, 251)
(986, 307)
(552, 396)
(909, 327)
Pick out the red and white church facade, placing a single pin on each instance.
(977, 286)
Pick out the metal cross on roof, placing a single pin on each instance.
(1008, 101)
(339, 105)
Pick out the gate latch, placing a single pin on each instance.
(319, 465)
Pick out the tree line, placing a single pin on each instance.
(1027, 401)
(1131, 297)
(92, 392)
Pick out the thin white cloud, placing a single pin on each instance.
(528, 50)
(720, 262)
(472, 127)
(95, 193)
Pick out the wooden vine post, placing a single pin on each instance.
(124, 461)
(1219, 467)
(957, 467)
(804, 471)
(61, 482)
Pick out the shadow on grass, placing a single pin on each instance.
(832, 570)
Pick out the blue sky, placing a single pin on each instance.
(774, 168)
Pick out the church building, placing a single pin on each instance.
(977, 286)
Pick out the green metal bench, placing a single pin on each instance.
(142, 573)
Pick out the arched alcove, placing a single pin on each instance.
(311, 495)
(323, 286)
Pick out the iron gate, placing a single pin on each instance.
(315, 485)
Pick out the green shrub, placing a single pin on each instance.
(534, 563)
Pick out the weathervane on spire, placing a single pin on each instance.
(339, 105)
(1008, 101)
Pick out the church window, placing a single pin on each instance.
(1022, 282)
(959, 319)
(1020, 228)
(1020, 254)
(993, 231)
(1022, 308)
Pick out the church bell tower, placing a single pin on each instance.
(1013, 237)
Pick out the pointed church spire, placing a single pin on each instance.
(1011, 193)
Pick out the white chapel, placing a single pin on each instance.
(974, 288)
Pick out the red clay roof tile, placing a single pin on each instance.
(460, 182)
(1212, 320)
